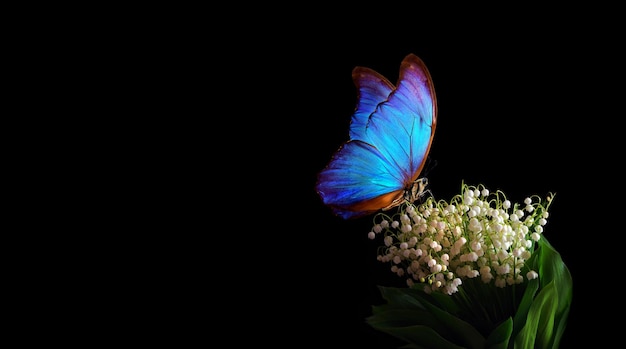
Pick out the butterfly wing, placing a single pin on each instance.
(390, 139)
(352, 186)
(373, 89)
(402, 128)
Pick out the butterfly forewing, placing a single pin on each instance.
(373, 89)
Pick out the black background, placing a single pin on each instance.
(236, 112)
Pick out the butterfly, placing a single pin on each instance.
(390, 135)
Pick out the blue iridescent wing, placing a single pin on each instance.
(373, 89)
(390, 139)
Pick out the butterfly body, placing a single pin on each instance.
(391, 132)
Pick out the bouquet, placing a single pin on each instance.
(479, 272)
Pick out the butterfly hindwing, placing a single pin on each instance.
(342, 183)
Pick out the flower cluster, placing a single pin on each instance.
(477, 234)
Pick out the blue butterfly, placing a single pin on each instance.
(391, 132)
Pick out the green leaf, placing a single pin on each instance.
(547, 317)
(387, 318)
(552, 268)
(422, 337)
(560, 328)
(519, 320)
(445, 302)
(538, 330)
(404, 308)
(469, 335)
(499, 338)
(401, 297)
(407, 308)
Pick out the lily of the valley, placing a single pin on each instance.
(477, 234)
